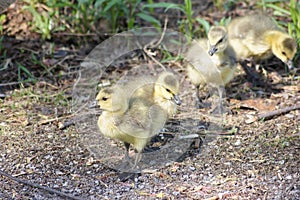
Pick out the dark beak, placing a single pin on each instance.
(177, 100)
(212, 50)
(290, 64)
(94, 104)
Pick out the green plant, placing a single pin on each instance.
(224, 21)
(45, 18)
(115, 11)
(189, 15)
(282, 9)
(41, 22)
(38, 62)
(204, 23)
(294, 26)
(2, 20)
(185, 25)
(270, 4)
(291, 11)
(24, 72)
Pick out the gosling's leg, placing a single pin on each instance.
(127, 145)
(220, 108)
(137, 159)
(199, 102)
(252, 75)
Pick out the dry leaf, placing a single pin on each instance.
(255, 104)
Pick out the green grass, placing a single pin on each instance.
(116, 15)
(290, 11)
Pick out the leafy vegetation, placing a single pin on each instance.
(113, 16)
(291, 11)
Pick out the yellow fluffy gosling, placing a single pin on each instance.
(163, 91)
(222, 56)
(257, 36)
(132, 123)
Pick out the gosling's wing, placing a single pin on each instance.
(136, 121)
(143, 120)
(250, 26)
(203, 42)
(202, 62)
(139, 87)
(144, 91)
(230, 53)
(250, 30)
(250, 42)
(158, 118)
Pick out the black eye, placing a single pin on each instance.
(104, 99)
(168, 90)
(283, 53)
(221, 40)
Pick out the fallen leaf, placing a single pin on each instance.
(250, 119)
(255, 104)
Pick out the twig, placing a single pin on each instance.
(47, 121)
(162, 35)
(11, 83)
(66, 124)
(156, 61)
(273, 113)
(149, 54)
(6, 63)
(81, 34)
(39, 186)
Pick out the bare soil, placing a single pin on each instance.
(249, 158)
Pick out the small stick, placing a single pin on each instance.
(39, 186)
(273, 113)
(149, 54)
(47, 121)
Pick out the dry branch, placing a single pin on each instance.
(39, 186)
(269, 115)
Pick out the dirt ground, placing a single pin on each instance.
(248, 158)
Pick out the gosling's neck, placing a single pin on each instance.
(118, 110)
(271, 37)
(166, 104)
(219, 57)
(156, 94)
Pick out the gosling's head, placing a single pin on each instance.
(217, 39)
(112, 100)
(167, 87)
(285, 49)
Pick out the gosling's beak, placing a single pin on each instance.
(290, 64)
(94, 104)
(212, 50)
(177, 100)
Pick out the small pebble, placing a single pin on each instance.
(289, 177)
(237, 143)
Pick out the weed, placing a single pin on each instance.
(24, 72)
(224, 5)
(205, 24)
(2, 20)
(290, 11)
(42, 22)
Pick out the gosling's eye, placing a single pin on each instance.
(221, 40)
(168, 90)
(283, 53)
(104, 98)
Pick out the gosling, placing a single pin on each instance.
(257, 36)
(132, 121)
(222, 56)
(162, 91)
